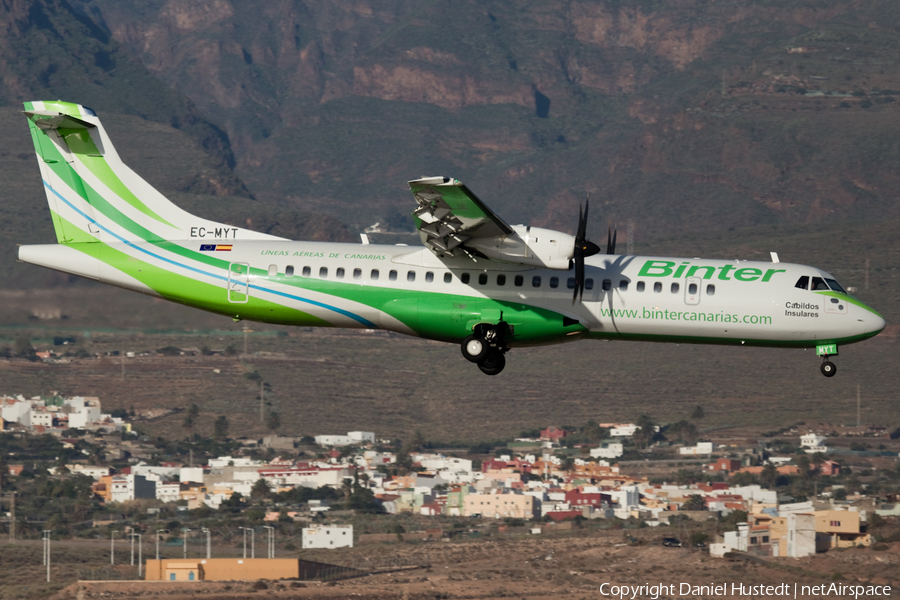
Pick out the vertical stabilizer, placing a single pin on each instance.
(94, 196)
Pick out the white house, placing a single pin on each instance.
(132, 487)
(168, 492)
(94, 473)
(191, 474)
(334, 536)
(813, 443)
(233, 461)
(362, 437)
(626, 430)
(608, 450)
(700, 448)
(334, 440)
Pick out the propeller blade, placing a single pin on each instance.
(611, 249)
(578, 292)
(582, 248)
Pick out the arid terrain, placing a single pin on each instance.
(570, 567)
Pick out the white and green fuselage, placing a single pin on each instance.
(115, 228)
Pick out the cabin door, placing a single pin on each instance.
(692, 287)
(238, 282)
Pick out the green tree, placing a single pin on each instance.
(593, 433)
(24, 349)
(566, 464)
(273, 421)
(694, 502)
(685, 432)
(646, 431)
(418, 442)
(190, 419)
(769, 476)
(260, 489)
(698, 413)
(220, 427)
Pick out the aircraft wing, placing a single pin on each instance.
(449, 215)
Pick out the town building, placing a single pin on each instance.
(332, 536)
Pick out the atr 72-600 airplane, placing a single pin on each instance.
(478, 282)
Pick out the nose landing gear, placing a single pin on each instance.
(486, 347)
(826, 350)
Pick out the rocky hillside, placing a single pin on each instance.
(677, 116)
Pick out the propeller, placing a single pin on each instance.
(611, 240)
(583, 248)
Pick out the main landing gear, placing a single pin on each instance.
(486, 348)
(828, 368)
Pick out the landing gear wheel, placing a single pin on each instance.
(474, 348)
(828, 368)
(493, 362)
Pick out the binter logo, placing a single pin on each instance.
(668, 268)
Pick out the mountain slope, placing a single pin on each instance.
(676, 115)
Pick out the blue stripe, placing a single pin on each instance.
(341, 311)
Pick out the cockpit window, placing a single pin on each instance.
(802, 283)
(835, 286)
(818, 284)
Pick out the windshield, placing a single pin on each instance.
(834, 285)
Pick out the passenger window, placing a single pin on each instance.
(588, 284)
(657, 287)
(392, 275)
(429, 277)
(339, 273)
(834, 285)
(536, 281)
(623, 285)
(710, 290)
(357, 273)
(289, 270)
(374, 275)
(607, 285)
(692, 289)
(570, 283)
(323, 272)
(675, 288)
(554, 282)
(818, 284)
(482, 278)
(464, 278)
(448, 277)
(640, 286)
(411, 276)
(273, 270)
(306, 271)
(802, 283)
(501, 279)
(518, 281)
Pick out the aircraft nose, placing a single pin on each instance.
(872, 324)
(878, 323)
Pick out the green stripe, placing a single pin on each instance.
(81, 145)
(850, 299)
(185, 290)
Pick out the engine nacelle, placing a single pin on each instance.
(534, 246)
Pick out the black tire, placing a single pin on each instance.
(474, 348)
(493, 363)
(828, 369)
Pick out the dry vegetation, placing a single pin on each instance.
(570, 566)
